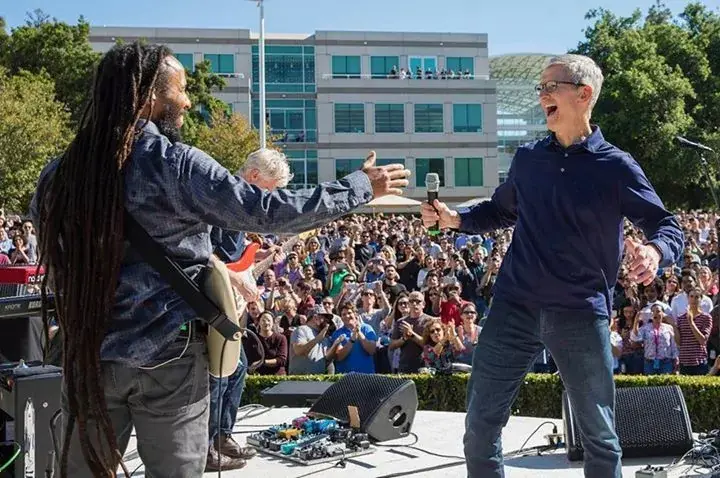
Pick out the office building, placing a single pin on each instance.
(423, 99)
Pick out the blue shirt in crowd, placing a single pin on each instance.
(358, 360)
(568, 205)
(178, 193)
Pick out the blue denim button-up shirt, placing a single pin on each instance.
(568, 205)
(177, 193)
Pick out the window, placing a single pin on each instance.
(303, 165)
(380, 66)
(221, 63)
(429, 165)
(389, 118)
(346, 66)
(343, 167)
(467, 118)
(460, 64)
(349, 118)
(468, 172)
(186, 59)
(428, 118)
(424, 62)
(292, 120)
(288, 69)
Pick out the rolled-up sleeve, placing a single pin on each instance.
(644, 208)
(216, 197)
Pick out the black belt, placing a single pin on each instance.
(194, 329)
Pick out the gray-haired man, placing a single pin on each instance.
(567, 196)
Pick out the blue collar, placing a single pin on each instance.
(147, 125)
(592, 143)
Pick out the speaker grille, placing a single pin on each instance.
(364, 391)
(650, 421)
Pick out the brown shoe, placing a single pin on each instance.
(216, 462)
(229, 447)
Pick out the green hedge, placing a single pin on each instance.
(540, 395)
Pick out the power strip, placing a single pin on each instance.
(652, 472)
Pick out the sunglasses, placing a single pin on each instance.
(433, 331)
(403, 302)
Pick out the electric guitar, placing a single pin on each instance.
(218, 288)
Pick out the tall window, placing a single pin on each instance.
(428, 118)
(292, 120)
(288, 68)
(389, 118)
(303, 165)
(343, 167)
(467, 118)
(460, 64)
(468, 172)
(346, 66)
(423, 62)
(429, 165)
(380, 66)
(221, 64)
(349, 118)
(186, 59)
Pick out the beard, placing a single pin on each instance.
(167, 123)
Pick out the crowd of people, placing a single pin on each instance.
(379, 294)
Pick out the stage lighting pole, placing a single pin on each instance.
(262, 121)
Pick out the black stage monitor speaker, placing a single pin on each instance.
(293, 393)
(386, 405)
(650, 421)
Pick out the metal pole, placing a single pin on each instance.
(261, 68)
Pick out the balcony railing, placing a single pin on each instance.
(425, 76)
(295, 135)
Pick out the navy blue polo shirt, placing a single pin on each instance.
(568, 205)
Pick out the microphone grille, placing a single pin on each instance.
(432, 181)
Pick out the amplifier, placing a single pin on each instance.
(29, 397)
(293, 393)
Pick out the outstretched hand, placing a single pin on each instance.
(385, 180)
(644, 261)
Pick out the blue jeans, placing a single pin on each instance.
(665, 367)
(512, 338)
(231, 390)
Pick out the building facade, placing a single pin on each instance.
(422, 99)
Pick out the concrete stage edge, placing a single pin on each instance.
(439, 432)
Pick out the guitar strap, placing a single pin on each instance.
(154, 254)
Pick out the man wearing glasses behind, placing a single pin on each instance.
(567, 196)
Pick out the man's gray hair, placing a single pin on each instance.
(272, 165)
(583, 70)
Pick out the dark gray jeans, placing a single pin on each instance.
(169, 407)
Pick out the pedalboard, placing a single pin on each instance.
(308, 441)
(652, 472)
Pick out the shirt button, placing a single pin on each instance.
(566, 155)
(562, 170)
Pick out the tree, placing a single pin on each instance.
(656, 75)
(62, 50)
(201, 84)
(229, 139)
(34, 127)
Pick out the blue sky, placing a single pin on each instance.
(513, 26)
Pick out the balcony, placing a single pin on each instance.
(429, 76)
(285, 136)
(470, 84)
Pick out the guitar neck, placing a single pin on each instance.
(266, 263)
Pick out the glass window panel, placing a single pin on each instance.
(226, 63)
(430, 64)
(295, 119)
(343, 167)
(428, 118)
(349, 118)
(389, 118)
(297, 168)
(186, 59)
(277, 119)
(429, 165)
(414, 63)
(214, 62)
(381, 66)
(468, 172)
(467, 118)
(461, 63)
(346, 66)
(312, 172)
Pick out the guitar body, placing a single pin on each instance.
(218, 288)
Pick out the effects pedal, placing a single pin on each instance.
(652, 472)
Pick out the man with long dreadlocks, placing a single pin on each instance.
(126, 362)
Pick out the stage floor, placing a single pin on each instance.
(438, 432)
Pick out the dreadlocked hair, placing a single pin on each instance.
(81, 239)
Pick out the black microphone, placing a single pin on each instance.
(432, 183)
(685, 143)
